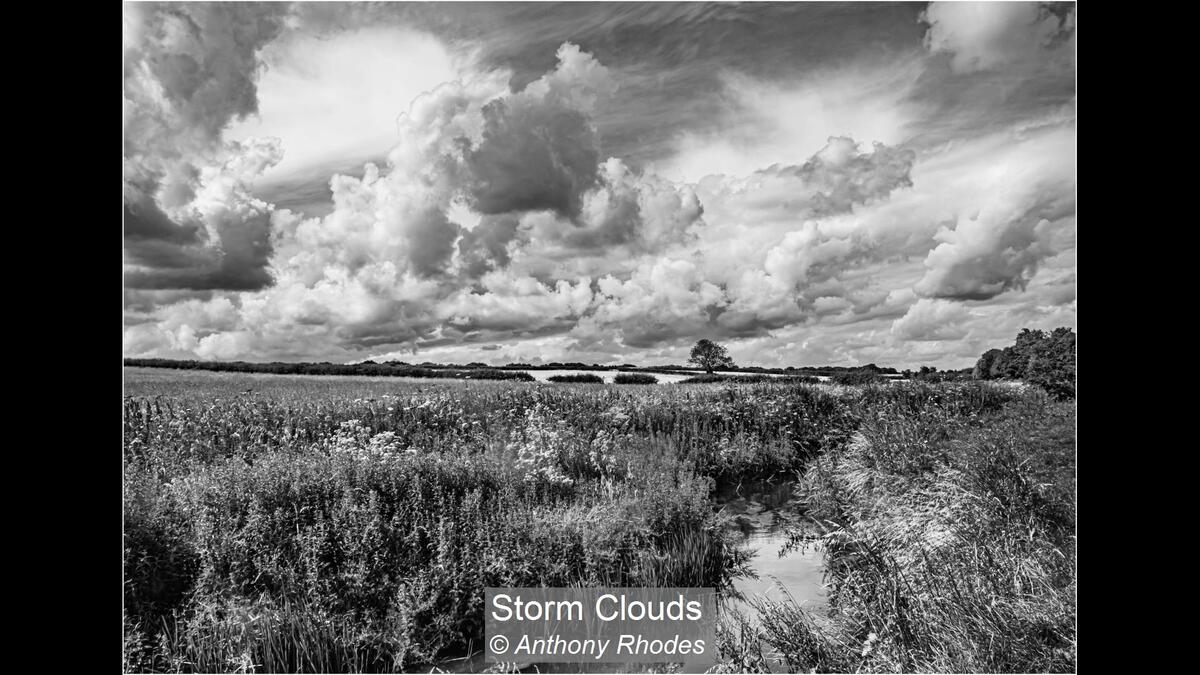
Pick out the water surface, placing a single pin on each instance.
(761, 514)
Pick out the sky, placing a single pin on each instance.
(805, 183)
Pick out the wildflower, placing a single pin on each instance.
(869, 645)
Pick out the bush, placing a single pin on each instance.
(365, 557)
(635, 378)
(857, 378)
(490, 374)
(798, 379)
(751, 379)
(580, 378)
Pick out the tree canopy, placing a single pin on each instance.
(710, 356)
(1038, 357)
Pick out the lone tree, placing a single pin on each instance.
(709, 355)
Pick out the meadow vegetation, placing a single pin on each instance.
(577, 378)
(285, 524)
(634, 378)
(749, 379)
(948, 527)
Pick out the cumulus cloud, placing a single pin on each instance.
(388, 264)
(485, 247)
(660, 301)
(189, 70)
(496, 219)
(219, 239)
(539, 147)
(509, 303)
(625, 208)
(987, 35)
(987, 255)
(839, 176)
(929, 319)
(997, 245)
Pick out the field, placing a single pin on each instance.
(350, 524)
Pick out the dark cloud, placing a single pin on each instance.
(239, 264)
(145, 222)
(189, 69)
(430, 242)
(485, 247)
(532, 157)
(396, 323)
(203, 57)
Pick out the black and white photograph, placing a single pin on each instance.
(599, 337)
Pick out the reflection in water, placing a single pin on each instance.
(762, 512)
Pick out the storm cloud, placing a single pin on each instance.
(519, 213)
(189, 70)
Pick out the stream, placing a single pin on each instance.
(761, 513)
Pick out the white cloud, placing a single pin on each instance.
(930, 319)
(495, 221)
(784, 123)
(1015, 217)
(987, 35)
(338, 97)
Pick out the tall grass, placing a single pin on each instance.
(300, 524)
(949, 540)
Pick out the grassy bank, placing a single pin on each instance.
(949, 542)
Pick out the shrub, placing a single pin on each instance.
(798, 379)
(857, 378)
(578, 378)
(492, 374)
(635, 378)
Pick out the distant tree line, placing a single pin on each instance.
(1037, 357)
(932, 374)
(478, 370)
(391, 369)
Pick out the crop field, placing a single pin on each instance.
(279, 523)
